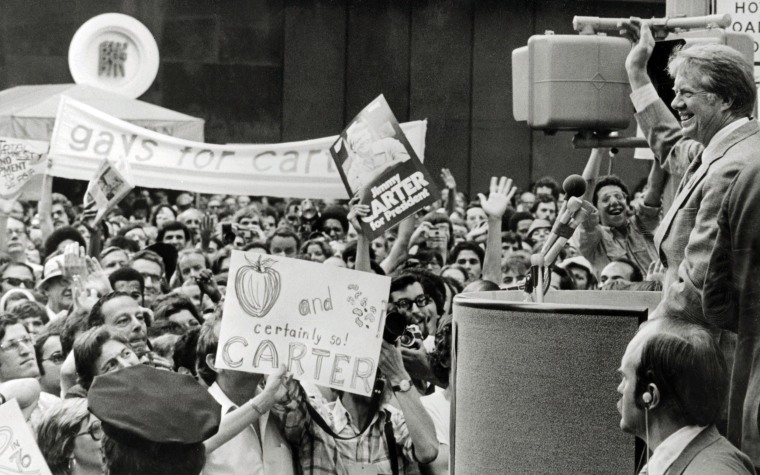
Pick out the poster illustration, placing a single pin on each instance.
(112, 182)
(327, 330)
(19, 453)
(20, 160)
(377, 163)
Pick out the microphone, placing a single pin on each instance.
(574, 187)
(583, 211)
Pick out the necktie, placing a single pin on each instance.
(693, 166)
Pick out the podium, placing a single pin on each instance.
(534, 386)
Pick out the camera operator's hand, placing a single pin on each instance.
(392, 364)
(207, 285)
(416, 362)
(636, 62)
(276, 388)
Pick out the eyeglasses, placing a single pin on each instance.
(16, 343)
(95, 430)
(29, 284)
(406, 304)
(55, 358)
(472, 262)
(688, 94)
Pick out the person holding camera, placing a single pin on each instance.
(357, 434)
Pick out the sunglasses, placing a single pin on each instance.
(29, 284)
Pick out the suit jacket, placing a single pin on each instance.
(710, 241)
(710, 454)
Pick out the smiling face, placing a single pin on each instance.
(19, 361)
(702, 114)
(613, 209)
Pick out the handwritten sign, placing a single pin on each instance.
(377, 163)
(111, 183)
(19, 454)
(20, 160)
(325, 323)
(83, 137)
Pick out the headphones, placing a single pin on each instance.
(647, 398)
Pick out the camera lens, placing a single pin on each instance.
(395, 326)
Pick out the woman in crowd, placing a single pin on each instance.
(69, 439)
(98, 351)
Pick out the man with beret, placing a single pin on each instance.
(164, 432)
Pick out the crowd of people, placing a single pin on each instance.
(90, 311)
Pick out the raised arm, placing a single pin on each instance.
(45, 205)
(451, 190)
(400, 249)
(363, 260)
(591, 171)
(495, 206)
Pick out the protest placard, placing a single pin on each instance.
(111, 183)
(19, 453)
(327, 330)
(377, 163)
(20, 160)
(84, 136)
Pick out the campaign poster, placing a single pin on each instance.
(20, 160)
(324, 323)
(19, 453)
(111, 183)
(377, 163)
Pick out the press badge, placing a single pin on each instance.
(355, 468)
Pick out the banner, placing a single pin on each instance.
(19, 453)
(328, 331)
(377, 163)
(83, 137)
(111, 183)
(20, 160)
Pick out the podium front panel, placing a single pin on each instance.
(534, 386)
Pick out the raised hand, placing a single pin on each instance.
(448, 179)
(74, 264)
(656, 272)
(636, 62)
(501, 193)
(206, 228)
(277, 384)
(357, 211)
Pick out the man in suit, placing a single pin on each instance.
(674, 380)
(711, 268)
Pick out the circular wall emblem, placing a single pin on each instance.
(114, 52)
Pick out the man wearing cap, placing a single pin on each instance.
(538, 232)
(260, 448)
(164, 432)
(56, 287)
(581, 271)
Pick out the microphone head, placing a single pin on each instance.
(574, 185)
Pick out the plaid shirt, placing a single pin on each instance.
(320, 453)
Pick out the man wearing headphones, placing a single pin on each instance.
(674, 381)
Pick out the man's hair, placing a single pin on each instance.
(59, 199)
(127, 274)
(131, 227)
(58, 431)
(153, 458)
(65, 233)
(283, 232)
(207, 344)
(547, 182)
(436, 217)
(433, 285)
(721, 70)
(30, 309)
(173, 226)
(517, 217)
(96, 317)
(636, 275)
(87, 349)
(74, 323)
(7, 320)
(689, 370)
(334, 212)
(403, 281)
(174, 303)
(467, 246)
(609, 180)
(185, 351)
(148, 255)
(249, 211)
(542, 199)
(123, 243)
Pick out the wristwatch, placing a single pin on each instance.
(403, 386)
